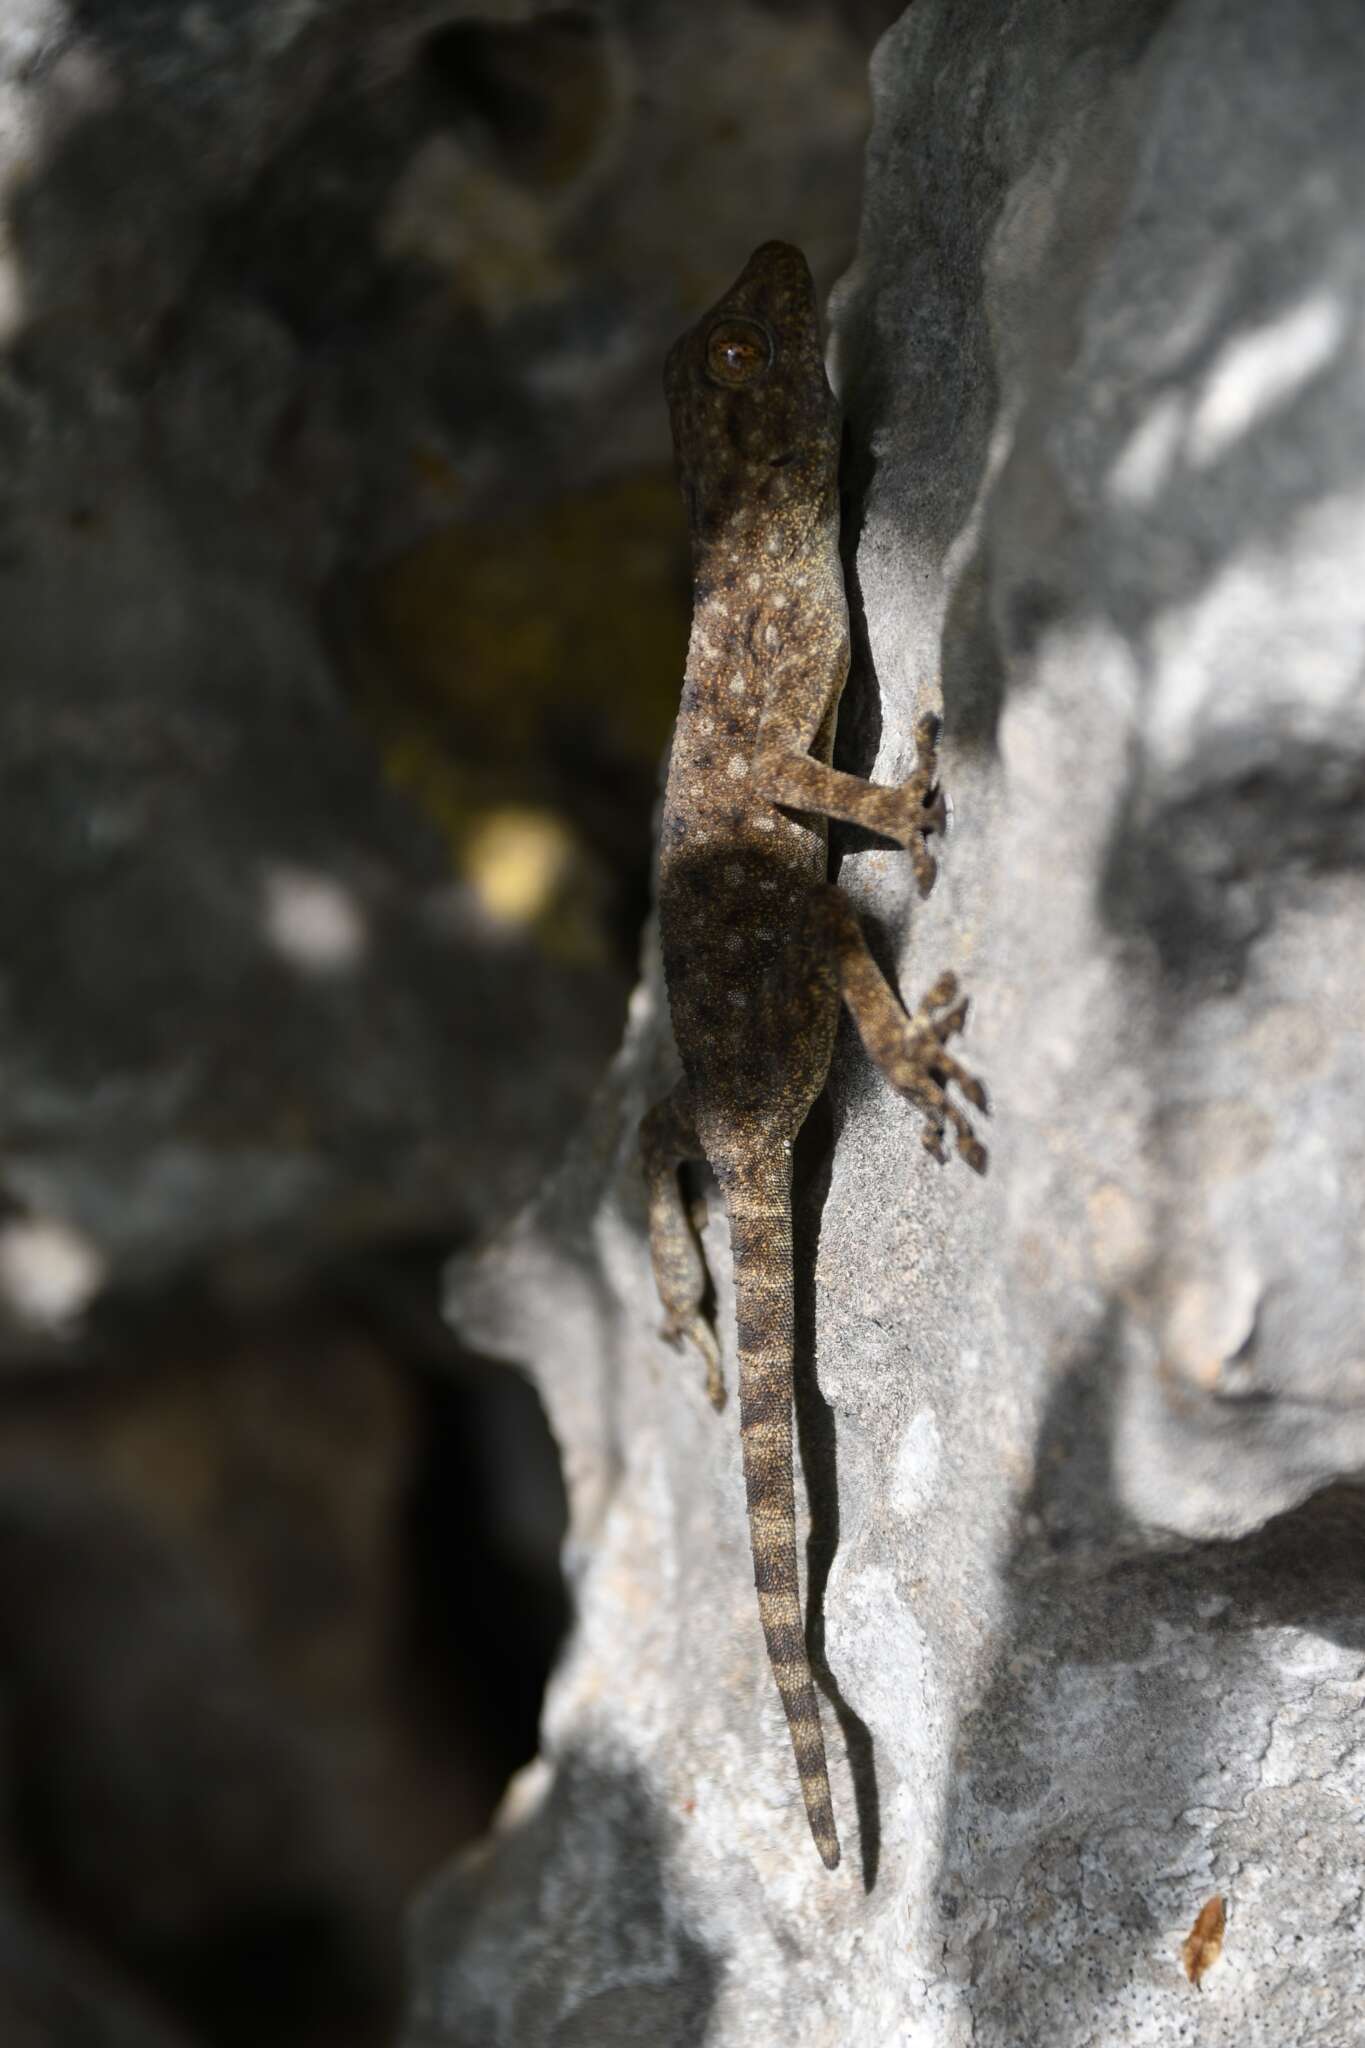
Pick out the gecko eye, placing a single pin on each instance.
(737, 351)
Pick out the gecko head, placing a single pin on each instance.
(755, 424)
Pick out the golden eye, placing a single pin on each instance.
(737, 351)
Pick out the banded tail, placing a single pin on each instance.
(758, 1194)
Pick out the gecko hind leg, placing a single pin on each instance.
(911, 1048)
(667, 1140)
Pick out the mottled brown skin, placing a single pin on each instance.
(758, 947)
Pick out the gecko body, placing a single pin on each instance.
(759, 949)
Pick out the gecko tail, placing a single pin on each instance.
(759, 1200)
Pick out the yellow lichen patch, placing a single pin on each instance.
(518, 861)
(520, 678)
(513, 632)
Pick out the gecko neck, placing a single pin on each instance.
(770, 546)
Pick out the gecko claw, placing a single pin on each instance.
(925, 866)
(927, 1071)
(925, 808)
(697, 1332)
(931, 1137)
(973, 1152)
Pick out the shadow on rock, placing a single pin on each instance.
(818, 1442)
(563, 1935)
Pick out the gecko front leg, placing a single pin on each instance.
(906, 812)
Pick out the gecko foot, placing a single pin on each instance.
(921, 803)
(925, 1070)
(698, 1332)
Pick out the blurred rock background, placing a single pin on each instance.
(342, 603)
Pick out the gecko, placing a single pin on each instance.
(759, 948)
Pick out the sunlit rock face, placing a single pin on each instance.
(1085, 1455)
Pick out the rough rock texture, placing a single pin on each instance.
(1085, 1557)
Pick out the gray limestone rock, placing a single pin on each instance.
(1082, 1443)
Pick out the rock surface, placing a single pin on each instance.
(1083, 1456)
